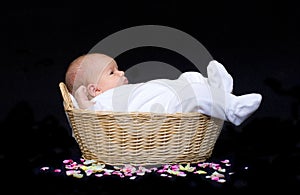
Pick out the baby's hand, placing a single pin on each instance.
(81, 93)
(81, 96)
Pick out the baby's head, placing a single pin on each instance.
(97, 72)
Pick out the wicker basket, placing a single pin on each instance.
(140, 138)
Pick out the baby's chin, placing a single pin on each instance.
(123, 82)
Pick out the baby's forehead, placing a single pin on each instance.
(95, 62)
(111, 64)
(102, 60)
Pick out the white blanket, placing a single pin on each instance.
(191, 92)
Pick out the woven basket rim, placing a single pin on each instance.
(179, 114)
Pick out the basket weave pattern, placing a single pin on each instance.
(139, 138)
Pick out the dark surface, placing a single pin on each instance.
(258, 42)
(263, 157)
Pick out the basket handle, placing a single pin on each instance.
(68, 104)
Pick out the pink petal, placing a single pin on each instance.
(57, 170)
(214, 178)
(225, 161)
(67, 161)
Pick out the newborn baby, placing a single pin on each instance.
(97, 84)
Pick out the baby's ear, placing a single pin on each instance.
(93, 90)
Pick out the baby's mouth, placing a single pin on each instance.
(125, 80)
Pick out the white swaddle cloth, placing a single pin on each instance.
(191, 92)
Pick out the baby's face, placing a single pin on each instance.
(111, 77)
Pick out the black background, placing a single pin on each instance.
(257, 41)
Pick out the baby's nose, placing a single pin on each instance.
(121, 73)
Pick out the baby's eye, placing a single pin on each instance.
(111, 72)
